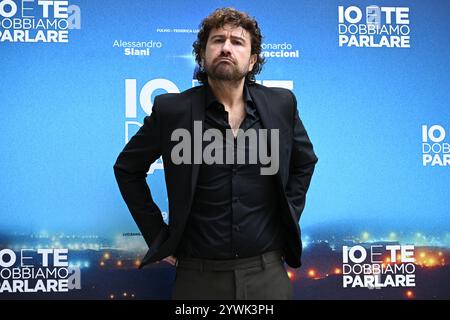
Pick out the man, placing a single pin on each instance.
(231, 224)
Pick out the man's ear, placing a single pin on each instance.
(202, 58)
(253, 59)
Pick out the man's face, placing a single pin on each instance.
(228, 54)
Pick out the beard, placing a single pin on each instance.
(225, 71)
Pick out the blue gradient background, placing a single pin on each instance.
(62, 108)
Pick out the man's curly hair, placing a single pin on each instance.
(218, 19)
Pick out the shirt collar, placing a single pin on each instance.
(211, 98)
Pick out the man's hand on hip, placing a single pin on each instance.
(170, 259)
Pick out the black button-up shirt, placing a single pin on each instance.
(235, 211)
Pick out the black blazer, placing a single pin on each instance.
(278, 110)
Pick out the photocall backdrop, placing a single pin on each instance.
(371, 78)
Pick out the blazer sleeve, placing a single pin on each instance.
(130, 170)
(302, 164)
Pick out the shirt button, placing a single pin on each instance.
(236, 255)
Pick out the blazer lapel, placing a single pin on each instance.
(198, 101)
(265, 112)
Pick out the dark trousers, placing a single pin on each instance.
(257, 278)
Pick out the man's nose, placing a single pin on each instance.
(226, 48)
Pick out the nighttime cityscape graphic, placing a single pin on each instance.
(109, 267)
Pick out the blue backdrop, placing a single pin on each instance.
(67, 109)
